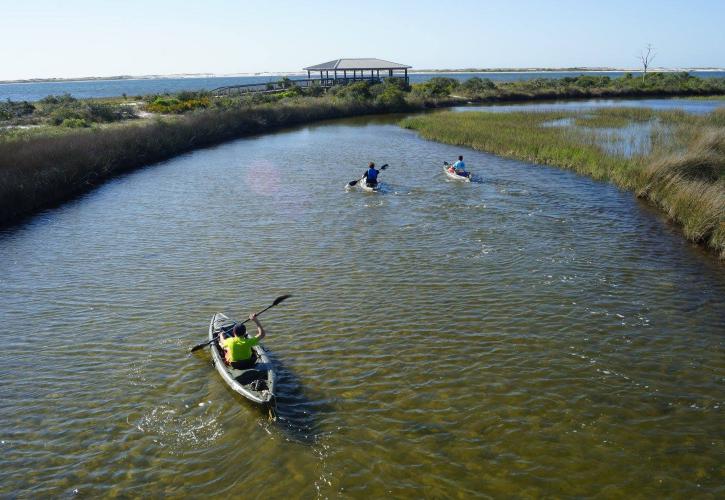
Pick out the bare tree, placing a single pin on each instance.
(646, 57)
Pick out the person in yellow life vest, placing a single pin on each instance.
(238, 348)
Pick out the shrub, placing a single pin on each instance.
(391, 96)
(74, 123)
(356, 92)
(436, 87)
(477, 85)
(292, 91)
(167, 104)
(10, 109)
(59, 99)
(63, 113)
(315, 90)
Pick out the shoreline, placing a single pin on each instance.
(678, 173)
(261, 74)
(45, 170)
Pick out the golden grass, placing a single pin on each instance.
(683, 173)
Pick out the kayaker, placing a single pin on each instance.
(371, 175)
(460, 167)
(238, 348)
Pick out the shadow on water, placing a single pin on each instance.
(295, 414)
(298, 415)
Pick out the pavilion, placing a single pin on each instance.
(355, 69)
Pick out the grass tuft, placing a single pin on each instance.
(683, 173)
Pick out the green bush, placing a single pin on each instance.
(477, 85)
(356, 92)
(10, 109)
(315, 90)
(436, 87)
(74, 123)
(60, 114)
(167, 104)
(292, 91)
(58, 99)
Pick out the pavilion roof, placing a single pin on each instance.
(353, 64)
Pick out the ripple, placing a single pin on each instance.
(442, 339)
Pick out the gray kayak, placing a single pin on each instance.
(256, 383)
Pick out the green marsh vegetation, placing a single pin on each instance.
(55, 148)
(655, 85)
(673, 159)
(44, 166)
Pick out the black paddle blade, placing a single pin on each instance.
(384, 167)
(445, 163)
(352, 183)
(200, 346)
(281, 299)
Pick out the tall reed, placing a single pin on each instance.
(683, 173)
(38, 171)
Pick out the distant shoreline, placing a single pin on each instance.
(301, 73)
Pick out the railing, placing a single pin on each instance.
(281, 86)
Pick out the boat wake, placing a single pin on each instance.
(181, 428)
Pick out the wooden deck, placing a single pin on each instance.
(305, 83)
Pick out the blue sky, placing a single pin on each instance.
(72, 38)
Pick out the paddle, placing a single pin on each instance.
(276, 302)
(352, 183)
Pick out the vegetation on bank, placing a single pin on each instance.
(673, 159)
(38, 170)
(55, 148)
(656, 84)
(64, 110)
(55, 110)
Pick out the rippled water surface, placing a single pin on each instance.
(534, 333)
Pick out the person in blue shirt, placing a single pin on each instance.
(460, 167)
(371, 175)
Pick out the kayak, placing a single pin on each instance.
(362, 184)
(457, 177)
(370, 189)
(255, 383)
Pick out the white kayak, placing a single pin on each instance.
(362, 184)
(370, 189)
(457, 177)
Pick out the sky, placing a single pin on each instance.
(78, 38)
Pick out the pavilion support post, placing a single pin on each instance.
(406, 76)
(308, 74)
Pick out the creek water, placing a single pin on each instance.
(533, 333)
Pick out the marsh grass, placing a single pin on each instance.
(615, 117)
(75, 144)
(683, 172)
(45, 166)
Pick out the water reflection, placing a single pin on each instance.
(537, 332)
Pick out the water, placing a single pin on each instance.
(695, 106)
(33, 91)
(631, 140)
(537, 333)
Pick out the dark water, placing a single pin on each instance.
(533, 334)
(113, 88)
